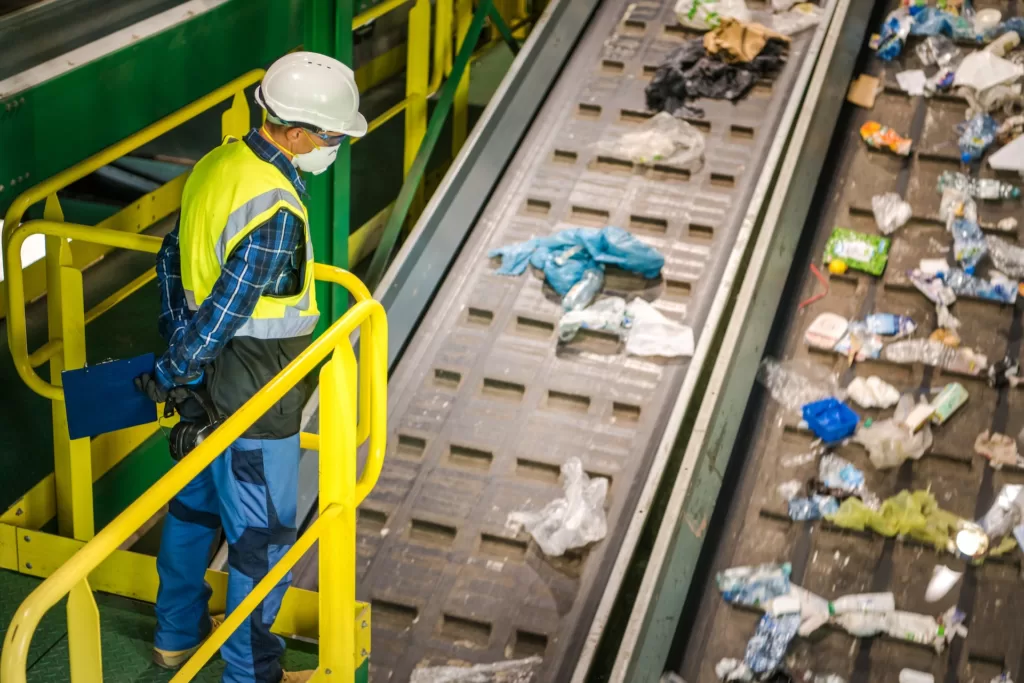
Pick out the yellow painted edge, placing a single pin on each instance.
(37, 507)
(364, 631)
(133, 575)
(381, 68)
(8, 547)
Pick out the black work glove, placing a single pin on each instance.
(148, 384)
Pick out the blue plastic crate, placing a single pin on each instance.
(830, 419)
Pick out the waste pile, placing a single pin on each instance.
(791, 611)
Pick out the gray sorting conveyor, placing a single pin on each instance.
(485, 405)
(828, 560)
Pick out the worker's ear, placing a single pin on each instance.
(294, 135)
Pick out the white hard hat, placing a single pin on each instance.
(312, 89)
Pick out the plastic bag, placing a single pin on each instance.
(571, 522)
(652, 334)
(606, 315)
(1007, 257)
(891, 212)
(565, 256)
(514, 671)
(894, 34)
(982, 70)
(890, 443)
(872, 392)
(662, 138)
(753, 586)
(800, 18)
(916, 514)
(703, 15)
(795, 383)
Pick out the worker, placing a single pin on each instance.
(238, 304)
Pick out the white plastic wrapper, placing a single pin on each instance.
(704, 15)
(942, 581)
(872, 392)
(606, 315)
(890, 443)
(891, 212)
(514, 671)
(797, 19)
(661, 139)
(652, 334)
(571, 522)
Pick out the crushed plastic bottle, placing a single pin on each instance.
(933, 287)
(767, 648)
(968, 243)
(976, 135)
(997, 288)
(891, 212)
(795, 383)
(814, 508)
(583, 292)
(957, 204)
(836, 472)
(938, 51)
(753, 586)
(1008, 258)
(979, 188)
(606, 315)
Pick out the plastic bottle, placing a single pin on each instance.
(979, 188)
(583, 292)
(1004, 43)
(976, 135)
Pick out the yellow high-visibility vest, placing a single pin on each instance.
(230, 193)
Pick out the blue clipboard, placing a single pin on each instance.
(103, 398)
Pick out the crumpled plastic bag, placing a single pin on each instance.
(797, 382)
(662, 138)
(889, 443)
(606, 315)
(514, 671)
(916, 514)
(652, 334)
(1000, 449)
(891, 212)
(702, 15)
(799, 18)
(872, 392)
(574, 521)
(566, 255)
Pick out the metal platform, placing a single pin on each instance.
(486, 405)
(830, 561)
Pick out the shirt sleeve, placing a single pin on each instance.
(174, 313)
(258, 262)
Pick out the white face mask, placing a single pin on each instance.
(317, 161)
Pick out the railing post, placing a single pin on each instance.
(337, 571)
(85, 653)
(72, 460)
(417, 81)
(460, 108)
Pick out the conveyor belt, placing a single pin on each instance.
(485, 406)
(830, 561)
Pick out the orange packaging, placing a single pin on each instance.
(883, 137)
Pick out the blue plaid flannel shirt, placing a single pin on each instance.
(267, 261)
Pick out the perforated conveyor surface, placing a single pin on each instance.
(485, 405)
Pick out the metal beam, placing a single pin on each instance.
(411, 281)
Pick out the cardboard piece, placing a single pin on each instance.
(863, 91)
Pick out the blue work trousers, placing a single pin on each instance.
(250, 491)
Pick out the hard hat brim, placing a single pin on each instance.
(355, 128)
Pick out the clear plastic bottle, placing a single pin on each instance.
(976, 135)
(979, 188)
(583, 292)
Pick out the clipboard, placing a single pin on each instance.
(102, 398)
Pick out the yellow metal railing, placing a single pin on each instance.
(340, 493)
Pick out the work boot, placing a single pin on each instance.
(296, 676)
(175, 659)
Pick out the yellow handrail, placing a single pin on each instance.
(366, 314)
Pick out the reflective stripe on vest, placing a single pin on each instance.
(230, 193)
